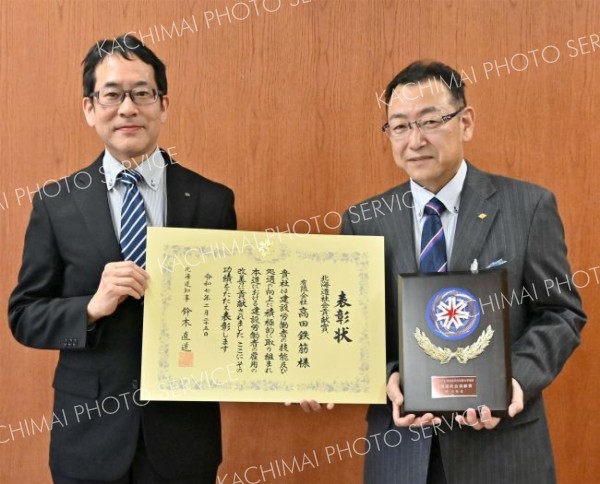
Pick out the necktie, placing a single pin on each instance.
(433, 243)
(133, 219)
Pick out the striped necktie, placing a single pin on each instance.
(433, 243)
(133, 219)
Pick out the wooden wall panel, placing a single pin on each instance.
(283, 108)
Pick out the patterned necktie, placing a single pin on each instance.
(433, 243)
(133, 219)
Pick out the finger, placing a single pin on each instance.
(485, 414)
(330, 406)
(144, 272)
(310, 406)
(139, 274)
(516, 404)
(393, 389)
(127, 281)
(427, 420)
(395, 396)
(119, 292)
(406, 420)
(124, 264)
(287, 404)
(487, 420)
(304, 405)
(134, 284)
(314, 405)
(116, 286)
(472, 420)
(433, 420)
(395, 413)
(492, 423)
(462, 421)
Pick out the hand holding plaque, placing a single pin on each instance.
(395, 395)
(485, 420)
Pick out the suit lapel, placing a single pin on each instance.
(402, 231)
(476, 216)
(181, 199)
(92, 203)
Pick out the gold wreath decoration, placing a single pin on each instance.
(462, 355)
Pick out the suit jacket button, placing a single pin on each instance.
(135, 384)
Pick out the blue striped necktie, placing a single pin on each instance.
(433, 243)
(133, 219)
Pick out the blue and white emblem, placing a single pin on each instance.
(453, 313)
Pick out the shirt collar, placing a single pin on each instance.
(152, 169)
(449, 195)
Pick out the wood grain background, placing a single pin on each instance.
(282, 106)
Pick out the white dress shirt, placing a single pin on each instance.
(449, 195)
(152, 186)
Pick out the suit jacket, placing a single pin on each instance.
(69, 240)
(523, 228)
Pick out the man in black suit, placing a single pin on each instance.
(75, 292)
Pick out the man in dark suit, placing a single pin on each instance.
(479, 216)
(77, 294)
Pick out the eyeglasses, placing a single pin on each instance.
(426, 125)
(110, 96)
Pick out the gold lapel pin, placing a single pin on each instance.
(481, 216)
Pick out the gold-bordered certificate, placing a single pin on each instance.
(263, 317)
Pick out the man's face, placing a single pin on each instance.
(433, 158)
(127, 130)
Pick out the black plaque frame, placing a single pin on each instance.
(492, 369)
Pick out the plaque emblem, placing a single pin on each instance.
(453, 313)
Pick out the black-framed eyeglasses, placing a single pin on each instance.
(112, 96)
(399, 129)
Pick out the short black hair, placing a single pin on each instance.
(422, 70)
(127, 47)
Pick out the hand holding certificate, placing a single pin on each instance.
(263, 317)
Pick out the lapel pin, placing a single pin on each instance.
(187, 194)
(481, 216)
